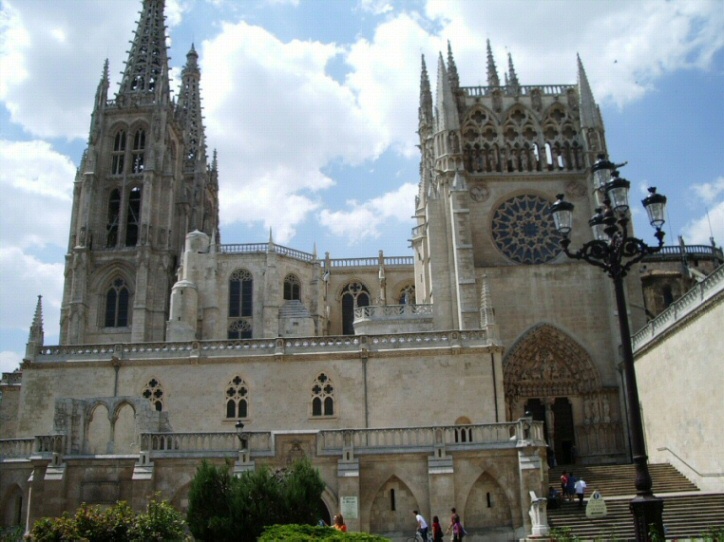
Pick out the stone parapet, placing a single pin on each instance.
(686, 305)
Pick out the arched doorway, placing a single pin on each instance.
(548, 374)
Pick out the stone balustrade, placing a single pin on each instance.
(700, 294)
(16, 448)
(329, 442)
(392, 312)
(261, 347)
(522, 90)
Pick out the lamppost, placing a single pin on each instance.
(615, 252)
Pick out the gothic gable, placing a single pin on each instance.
(546, 362)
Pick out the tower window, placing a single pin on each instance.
(133, 216)
(137, 154)
(117, 302)
(323, 396)
(291, 287)
(237, 398)
(114, 213)
(119, 153)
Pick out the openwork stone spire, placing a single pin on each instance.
(99, 104)
(493, 79)
(188, 110)
(452, 70)
(147, 65)
(425, 111)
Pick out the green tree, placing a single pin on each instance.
(223, 507)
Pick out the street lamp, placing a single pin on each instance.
(615, 252)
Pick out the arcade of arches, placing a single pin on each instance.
(550, 375)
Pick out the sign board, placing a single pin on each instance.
(348, 507)
(596, 507)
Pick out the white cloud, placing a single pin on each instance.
(625, 46)
(9, 361)
(711, 224)
(366, 220)
(277, 119)
(23, 274)
(37, 184)
(48, 81)
(709, 192)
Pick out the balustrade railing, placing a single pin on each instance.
(183, 443)
(50, 443)
(522, 90)
(260, 347)
(681, 308)
(388, 312)
(676, 252)
(16, 448)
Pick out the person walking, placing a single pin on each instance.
(436, 530)
(421, 525)
(564, 485)
(580, 487)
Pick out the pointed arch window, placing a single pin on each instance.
(119, 153)
(354, 295)
(239, 329)
(138, 151)
(407, 295)
(237, 398)
(292, 288)
(114, 215)
(240, 294)
(117, 304)
(322, 396)
(133, 217)
(153, 391)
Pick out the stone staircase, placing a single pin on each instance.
(688, 513)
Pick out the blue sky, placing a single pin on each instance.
(312, 105)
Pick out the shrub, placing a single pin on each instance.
(93, 523)
(310, 533)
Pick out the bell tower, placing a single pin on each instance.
(142, 184)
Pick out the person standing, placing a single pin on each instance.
(571, 486)
(421, 525)
(436, 530)
(455, 526)
(339, 523)
(580, 491)
(564, 485)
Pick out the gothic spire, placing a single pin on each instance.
(493, 79)
(36, 336)
(188, 110)
(512, 77)
(146, 71)
(425, 111)
(99, 104)
(447, 118)
(590, 117)
(452, 70)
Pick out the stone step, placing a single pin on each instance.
(685, 516)
(613, 480)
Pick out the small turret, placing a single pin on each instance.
(590, 115)
(99, 105)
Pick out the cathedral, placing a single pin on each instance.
(451, 376)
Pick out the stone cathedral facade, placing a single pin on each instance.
(405, 380)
